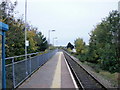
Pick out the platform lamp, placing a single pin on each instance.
(118, 44)
(49, 35)
(54, 39)
(119, 6)
(3, 28)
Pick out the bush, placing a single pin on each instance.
(110, 65)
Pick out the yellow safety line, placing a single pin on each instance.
(57, 76)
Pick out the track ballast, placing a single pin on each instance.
(84, 80)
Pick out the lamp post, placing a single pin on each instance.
(118, 44)
(119, 6)
(25, 28)
(26, 42)
(54, 39)
(49, 35)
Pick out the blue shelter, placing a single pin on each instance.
(3, 28)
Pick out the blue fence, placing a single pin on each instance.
(19, 71)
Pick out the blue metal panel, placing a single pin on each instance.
(3, 62)
(0, 32)
(3, 26)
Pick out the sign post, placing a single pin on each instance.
(3, 29)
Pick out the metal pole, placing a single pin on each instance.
(25, 28)
(54, 39)
(13, 72)
(49, 37)
(3, 62)
(26, 34)
(30, 64)
(118, 48)
(119, 6)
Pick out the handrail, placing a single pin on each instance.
(19, 71)
(21, 55)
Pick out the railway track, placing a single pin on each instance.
(84, 80)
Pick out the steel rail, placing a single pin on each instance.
(76, 76)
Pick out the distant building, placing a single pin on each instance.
(74, 50)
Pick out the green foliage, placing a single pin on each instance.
(104, 44)
(81, 49)
(51, 47)
(79, 45)
(42, 43)
(15, 42)
(69, 50)
(32, 42)
(15, 39)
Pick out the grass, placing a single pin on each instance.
(111, 77)
(96, 67)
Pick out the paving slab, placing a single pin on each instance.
(66, 80)
(53, 74)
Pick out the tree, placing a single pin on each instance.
(79, 45)
(81, 49)
(103, 45)
(42, 43)
(31, 34)
(6, 11)
(15, 42)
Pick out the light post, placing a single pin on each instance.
(49, 35)
(25, 28)
(119, 6)
(54, 39)
(117, 45)
(26, 41)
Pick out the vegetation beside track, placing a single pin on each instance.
(103, 48)
(112, 78)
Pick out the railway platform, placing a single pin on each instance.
(55, 73)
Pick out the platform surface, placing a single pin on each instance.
(53, 74)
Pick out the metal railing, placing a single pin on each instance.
(19, 71)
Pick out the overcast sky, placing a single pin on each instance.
(70, 18)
